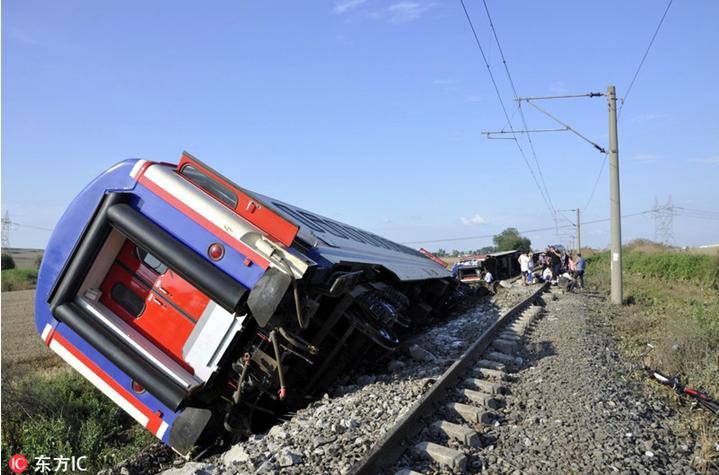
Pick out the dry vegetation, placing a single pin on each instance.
(24, 274)
(49, 409)
(21, 344)
(672, 302)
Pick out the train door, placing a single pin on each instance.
(153, 299)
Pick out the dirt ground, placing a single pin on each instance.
(21, 343)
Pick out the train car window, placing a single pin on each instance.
(150, 261)
(127, 299)
(216, 189)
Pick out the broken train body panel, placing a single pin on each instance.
(198, 306)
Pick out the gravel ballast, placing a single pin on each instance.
(575, 409)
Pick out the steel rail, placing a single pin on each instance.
(390, 447)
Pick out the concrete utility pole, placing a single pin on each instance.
(579, 234)
(615, 208)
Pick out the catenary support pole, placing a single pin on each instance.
(615, 208)
(579, 234)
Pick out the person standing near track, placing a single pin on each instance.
(489, 282)
(530, 268)
(580, 265)
(556, 260)
(524, 266)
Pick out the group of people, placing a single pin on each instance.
(555, 265)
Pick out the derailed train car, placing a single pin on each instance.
(200, 307)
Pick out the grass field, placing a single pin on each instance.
(56, 412)
(673, 303)
(24, 275)
(49, 409)
(18, 279)
(21, 344)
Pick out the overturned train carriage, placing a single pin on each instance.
(200, 307)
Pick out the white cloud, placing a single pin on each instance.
(474, 98)
(473, 220)
(714, 160)
(558, 88)
(444, 82)
(648, 117)
(645, 158)
(22, 36)
(345, 6)
(401, 12)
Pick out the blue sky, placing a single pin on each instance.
(369, 112)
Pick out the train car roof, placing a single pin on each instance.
(338, 242)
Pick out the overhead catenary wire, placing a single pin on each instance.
(30, 226)
(521, 111)
(695, 213)
(527, 231)
(716, 213)
(706, 218)
(596, 182)
(569, 127)
(560, 212)
(644, 57)
(566, 127)
(504, 109)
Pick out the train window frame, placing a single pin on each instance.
(214, 188)
(122, 302)
(155, 268)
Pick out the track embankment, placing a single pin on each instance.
(576, 409)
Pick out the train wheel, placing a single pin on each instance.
(380, 335)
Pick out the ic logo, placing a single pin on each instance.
(18, 463)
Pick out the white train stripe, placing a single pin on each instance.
(136, 168)
(161, 431)
(45, 332)
(98, 382)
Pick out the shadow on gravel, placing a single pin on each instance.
(538, 350)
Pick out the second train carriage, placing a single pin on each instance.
(502, 265)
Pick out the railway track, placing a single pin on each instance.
(442, 427)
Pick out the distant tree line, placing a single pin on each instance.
(507, 240)
(454, 252)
